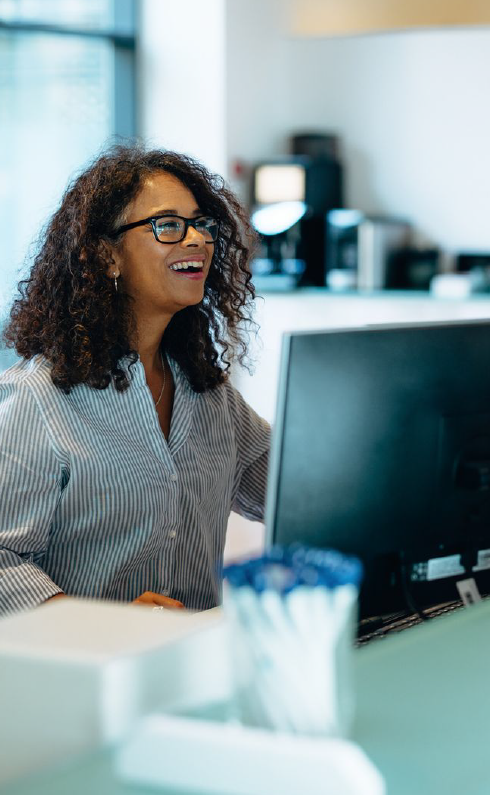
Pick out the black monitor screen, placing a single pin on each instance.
(381, 449)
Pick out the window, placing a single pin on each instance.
(66, 88)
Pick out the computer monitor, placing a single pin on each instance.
(381, 449)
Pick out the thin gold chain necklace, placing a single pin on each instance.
(163, 385)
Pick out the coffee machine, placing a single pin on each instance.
(363, 251)
(290, 197)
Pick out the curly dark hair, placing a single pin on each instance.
(69, 311)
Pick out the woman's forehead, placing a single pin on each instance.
(162, 192)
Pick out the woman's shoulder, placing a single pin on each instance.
(27, 372)
(228, 395)
(223, 394)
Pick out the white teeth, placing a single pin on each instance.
(178, 266)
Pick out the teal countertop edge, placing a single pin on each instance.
(365, 295)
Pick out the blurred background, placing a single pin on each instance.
(356, 131)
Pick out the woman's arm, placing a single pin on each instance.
(147, 599)
(250, 500)
(253, 443)
(30, 478)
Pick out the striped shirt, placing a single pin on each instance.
(95, 502)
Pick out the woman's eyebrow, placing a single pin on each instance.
(171, 211)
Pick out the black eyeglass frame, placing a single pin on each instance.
(154, 218)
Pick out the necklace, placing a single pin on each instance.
(163, 385)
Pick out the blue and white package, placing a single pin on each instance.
(293, 614)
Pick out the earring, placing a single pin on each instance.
(115, 281)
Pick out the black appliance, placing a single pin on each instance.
(364, 251)
(290, 197)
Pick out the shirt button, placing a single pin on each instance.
(173, 477)
(172, 534)
(165, 592)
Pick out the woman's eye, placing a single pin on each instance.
(204, 224)
(168, 226)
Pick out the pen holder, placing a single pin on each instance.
(292, 617)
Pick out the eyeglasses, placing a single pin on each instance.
(173, 228)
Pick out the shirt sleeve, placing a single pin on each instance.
(253, 443)
(30, 488)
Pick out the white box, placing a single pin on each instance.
(229, 759)
(76, 674)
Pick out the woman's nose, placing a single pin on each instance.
(193, 237)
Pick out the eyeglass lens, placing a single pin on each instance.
(172, 229)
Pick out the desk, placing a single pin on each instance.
(423, 715)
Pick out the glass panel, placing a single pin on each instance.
(91, 14)
(56, 111)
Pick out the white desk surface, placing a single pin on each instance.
(423, 715)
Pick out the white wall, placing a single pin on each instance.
(181, 92)
(257, 77)
(412, 108)
(236, 48)
(413, 112)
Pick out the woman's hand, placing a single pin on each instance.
(56, 596)
(150, 599)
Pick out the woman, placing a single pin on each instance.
(123, 445)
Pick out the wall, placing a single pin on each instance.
(257, 82)
(413, 113)
(224, 80)
(181, 93)
(213, 79)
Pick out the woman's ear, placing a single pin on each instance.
(109, 253)
(112, 256)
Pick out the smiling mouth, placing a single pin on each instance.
(190, 266)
